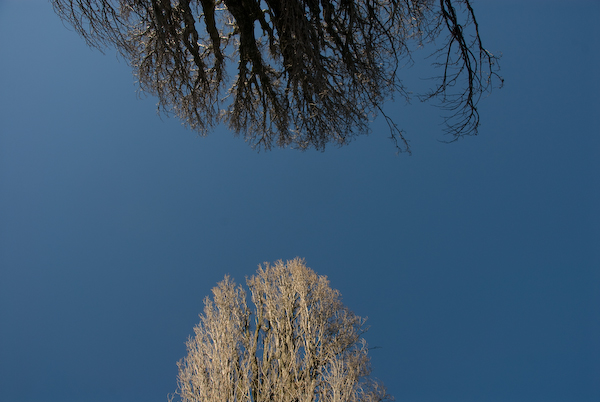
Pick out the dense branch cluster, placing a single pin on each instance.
(298, 343)
(299, 73)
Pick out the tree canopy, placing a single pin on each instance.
(291, 73)
(297, 343)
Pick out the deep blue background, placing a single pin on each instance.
(476, 262)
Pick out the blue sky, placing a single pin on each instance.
(477, 262)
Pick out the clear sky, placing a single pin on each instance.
(477, 262)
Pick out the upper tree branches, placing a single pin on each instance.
(301, 73)
(295, 342)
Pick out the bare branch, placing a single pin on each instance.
(297, 342)
(308, 73)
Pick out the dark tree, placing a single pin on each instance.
(297, 73)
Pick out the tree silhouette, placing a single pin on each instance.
(290, 73)
(298, 343)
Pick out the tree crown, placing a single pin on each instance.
(297, 342)
(298, 73)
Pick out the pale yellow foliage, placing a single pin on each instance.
(298, 343)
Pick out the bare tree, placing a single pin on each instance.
(306, 72)
(298, 343)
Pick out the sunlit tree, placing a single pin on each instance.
(290, 73)
(294, 342)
